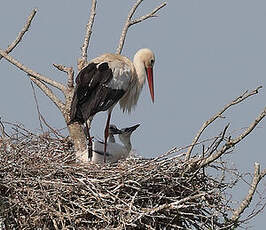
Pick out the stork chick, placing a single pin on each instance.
(114, 151)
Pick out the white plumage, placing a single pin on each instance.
(114, 151)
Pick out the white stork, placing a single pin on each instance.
(108, 79)
(114, 151)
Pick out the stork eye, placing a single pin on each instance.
(152, 61)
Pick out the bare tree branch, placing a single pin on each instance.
(263, 173)
(57, 134)
(84, 49)
(245, 203)
(2, 129)
(49, 93)
(149, 15)
(239, 99)
(129, 22)
(70, 74)
(32, 73)
(176, 204)
(35, 77)
(232, 142)
(21, 34)
(40, 116)
(37, 106)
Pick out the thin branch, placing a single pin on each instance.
(216, 144)
(70, 74)
(239, 99)
(21, 34)
(150, 15)
(40, 116)
(48, 92)
(2, 129)
(249, 129)
(50, 127)
(37, 105)
(32, 73)
(84, 48)
(232, 142)
(263, 173)
(129, 22)
(245, 203)
(176, 204)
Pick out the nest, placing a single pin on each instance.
(41, 186)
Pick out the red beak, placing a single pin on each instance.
(149, 71)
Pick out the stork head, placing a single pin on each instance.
(114, 130)
(146, 56)
(126, 132)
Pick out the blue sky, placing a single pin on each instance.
(207, 53)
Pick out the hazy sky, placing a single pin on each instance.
(207, 53)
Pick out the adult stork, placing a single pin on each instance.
(108, 79)
(114, 151)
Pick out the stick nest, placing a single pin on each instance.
(41, 186)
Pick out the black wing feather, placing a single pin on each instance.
(92, 93)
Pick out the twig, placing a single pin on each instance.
(40, 116)
(48, 92)
(232, 142)
(249, 129)
(70, 74)
(245, 203)
(217, 143)
(84, 49)
(178, 149)
(50, 127)
(129, 22)
(37, 105)
(21, 34)
(32, 72)
(176, 204)
(239, 99)
(2, 128)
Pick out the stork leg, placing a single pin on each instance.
(106, 134)
(89, 141)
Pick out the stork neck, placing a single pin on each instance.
(140, 69)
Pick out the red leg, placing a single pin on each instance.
(106, 134)
(89, 138)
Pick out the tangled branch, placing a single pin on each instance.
(239, 99)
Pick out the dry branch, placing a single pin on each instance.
(37, 106)
(34, 75)
(129, 22)
(37, 78)
(32, 72)
(233, 141)
(49, 93)
(239, 99)
(245, 203)
(70, 74)
(21, 33)
(84, 49)
(2, 129)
